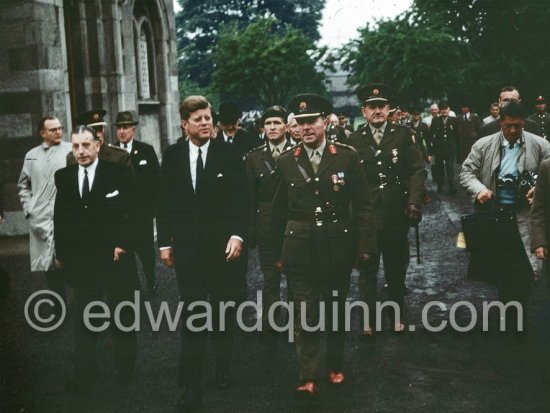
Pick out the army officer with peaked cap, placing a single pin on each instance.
(393, 164)
(317, 238)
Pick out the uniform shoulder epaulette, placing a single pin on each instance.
(118, 148)
(342, 145)
(256, 149)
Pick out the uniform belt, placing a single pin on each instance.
(319, 216)
(383, 180)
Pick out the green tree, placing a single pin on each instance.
(265, 65)
(419, 62)
(198, 25)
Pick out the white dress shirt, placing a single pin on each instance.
(91, 175)
(194, 156)
(129, 144)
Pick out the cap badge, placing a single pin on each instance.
(375, 92)
(303, 105)
(96, 116)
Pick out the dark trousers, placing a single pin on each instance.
(55, 279)
(307, 288)
(444, 163)
(124, 343)
(193, 342)
(394, 248)
(145, 248)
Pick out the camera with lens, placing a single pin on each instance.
(526, 181)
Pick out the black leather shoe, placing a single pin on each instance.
(190, 400)
(78, 387)
(223, 380)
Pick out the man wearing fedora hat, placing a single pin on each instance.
(393, 164)
(146, 168)
(95, 119)
(229, 117)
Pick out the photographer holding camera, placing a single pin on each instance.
(500, 172)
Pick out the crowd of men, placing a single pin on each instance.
(321, 199)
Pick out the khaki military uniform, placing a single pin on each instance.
(395, 178)
(260, 169)
(109, 153)
(318, 239)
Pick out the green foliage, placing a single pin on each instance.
(457, 49)
(198, 26)
(265, 65)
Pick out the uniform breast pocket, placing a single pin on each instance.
(296, 252)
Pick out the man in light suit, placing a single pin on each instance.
(201, 220)
(92, 233)
(146, 167)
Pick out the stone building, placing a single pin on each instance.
(61, 57)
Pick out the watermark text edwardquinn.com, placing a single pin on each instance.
(98, 317)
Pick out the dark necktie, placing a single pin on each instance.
(200, 170)
(85, 186)
(125, 146)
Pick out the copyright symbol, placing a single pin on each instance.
(32, 310)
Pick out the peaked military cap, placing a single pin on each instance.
(94, 117)
(539, 100)
(309, 105)
(274, 112)
(229, 113)
(374, 92)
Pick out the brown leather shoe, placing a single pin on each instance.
(307, 391)
(336, 378)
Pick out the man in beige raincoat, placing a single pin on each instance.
(37, 193)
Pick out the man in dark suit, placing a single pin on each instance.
(260, 171)
(201, 221)
(92, 240)
(391, 157)
(444, 137)
(146, 168)
(510, 94)
(469, 125)
(231, 132)
(317, 237)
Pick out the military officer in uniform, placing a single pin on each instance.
(95, 119)
(260, 169)
(396, 178)
(316, 237)
(444, 137)
(541, 117)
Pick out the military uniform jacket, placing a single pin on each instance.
(260, 171)
(339, 183)
(395, 172)
(422, 132)
(543, 122)
(444, 136)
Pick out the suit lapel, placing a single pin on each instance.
(304, 162)
(326, 160)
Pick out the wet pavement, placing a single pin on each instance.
(414, 371)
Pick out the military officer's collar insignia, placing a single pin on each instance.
(297, 151)
(332, 149)
(303, 105)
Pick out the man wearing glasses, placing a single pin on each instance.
(37, 194)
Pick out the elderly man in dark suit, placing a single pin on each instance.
(232, 133)
(146, 168)
(92, 234)
(201, 220)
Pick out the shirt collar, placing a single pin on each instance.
(382, 128)
(505, 142)
(281, 146)
(195, 149)
(90, 168)
(320, 148)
